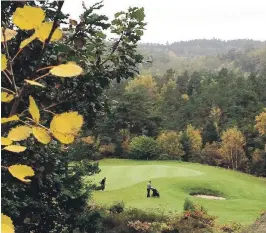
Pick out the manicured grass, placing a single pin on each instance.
(126, 181)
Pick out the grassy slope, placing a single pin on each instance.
(126, 180)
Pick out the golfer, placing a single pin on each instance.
(149, 189)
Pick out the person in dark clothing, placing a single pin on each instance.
(103, 184)
(149, 189)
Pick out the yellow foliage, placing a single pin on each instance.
(19, 133)
(66, 126)
(7, 224)
(28, 17)
(185, 97)
(232, 146)
(89, 140)
(125, 145)
(34, 110)
(70, 69)
(9, 34)
(33, 83)
(261, 122)
(3, 62)
(41, 135)
(27, 41)
(15, 148)
(169, 143)
(194, 137)
(5, 141)
(110, 148)
(8, 119)
(143, 82)
(21, 172)
(6, 97)
(43, 31)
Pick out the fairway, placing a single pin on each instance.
(126, 181)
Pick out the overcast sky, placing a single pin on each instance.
(175, 20)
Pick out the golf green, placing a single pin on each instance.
(127, 179)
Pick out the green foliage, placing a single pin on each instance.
(57, 194)
(169, 143)
(143, 147)
(188, 205)
(117, 207)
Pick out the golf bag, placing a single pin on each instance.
(155, 192)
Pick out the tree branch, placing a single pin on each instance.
(22, 91)
(9, 60)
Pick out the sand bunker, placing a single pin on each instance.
(209, 197)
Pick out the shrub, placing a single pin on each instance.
(143, 147)
(107, 150)
(169, 144)
(188, 205)
(211, 154)
(232, 227)
(258, 164)
(117, 208)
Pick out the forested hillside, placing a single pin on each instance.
(193, 115)
(241, 55)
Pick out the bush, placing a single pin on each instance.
(211, 154)
(143, 147)
(107, 150)
(258, 165)
(169, 144)
(188, 205)
(232, 227)
(117, 208)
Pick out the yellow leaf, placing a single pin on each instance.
(66, 126)
(27, 41)
(5, 141)
(34, 110)
(3, 62)
(21, 172)
(19, 133)
(7, 224)
(44, 30)
(9, 34)
(33, 83)
(15, 148)
(8, 119)
(28, 17)
(6, 97)
(70, 69)
(41, 135)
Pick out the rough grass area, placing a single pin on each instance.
(126, 181)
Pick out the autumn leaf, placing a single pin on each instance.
(34, 110)
(9, 34)
(21, 172)
(5, 141)
(66, 126)
(41, 135)
(7, 224)
(3, 62)
(15, 148)
(70, 69)
(44, 30)
(19, 133)
(28, 17)
(6, 97)
(27, 41)
(185, 97)
(33, 83)
(8, 119)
